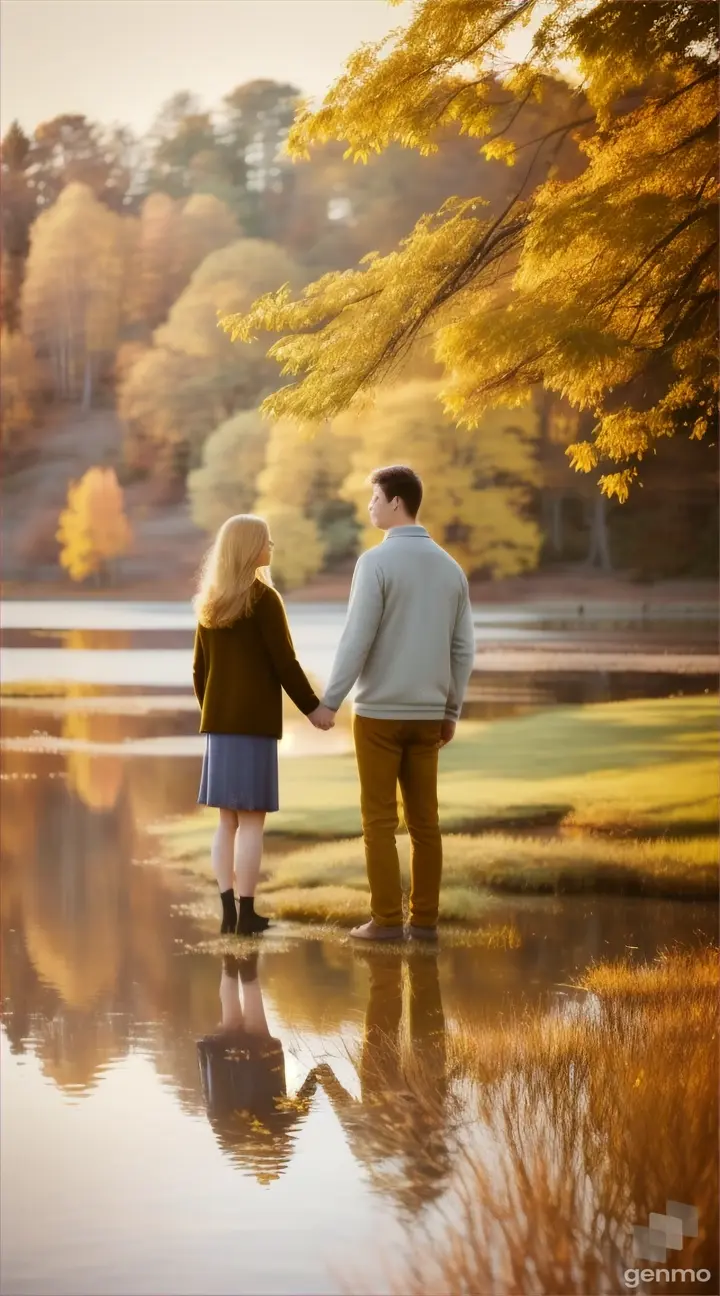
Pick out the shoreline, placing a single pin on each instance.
(575, 588)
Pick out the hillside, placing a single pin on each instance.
(167, 546)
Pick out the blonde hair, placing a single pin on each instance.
(226, 589)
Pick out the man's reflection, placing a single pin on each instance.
(242, 1068)
(398, 1127)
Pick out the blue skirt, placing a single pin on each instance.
(239, 772)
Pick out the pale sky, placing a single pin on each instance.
(120, 60)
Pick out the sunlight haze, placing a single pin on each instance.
(120, 60)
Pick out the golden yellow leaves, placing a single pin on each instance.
(583, 456)
(501, 150)
(93, 528)
(585, 288)
(618, 484)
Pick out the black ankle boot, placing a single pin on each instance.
(229, 917)
(248, 922)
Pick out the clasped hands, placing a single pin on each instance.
(322, 717)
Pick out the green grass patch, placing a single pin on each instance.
(643, 766)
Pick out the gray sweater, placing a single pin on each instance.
(408, 639)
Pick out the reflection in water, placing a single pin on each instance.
(398, 1127)
(97, 782)
(243, 1078)
(86, 935)
(106, 995)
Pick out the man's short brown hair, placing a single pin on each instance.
(399, 480)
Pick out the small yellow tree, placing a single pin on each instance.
(93, 528)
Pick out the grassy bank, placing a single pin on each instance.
(637, 768)
(328, 881)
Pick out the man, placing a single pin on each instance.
(409, 642)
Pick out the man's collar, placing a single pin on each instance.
(412, 529)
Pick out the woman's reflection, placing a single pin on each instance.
(242, 1068)
(398, 1127)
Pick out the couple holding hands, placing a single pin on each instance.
(408, 642)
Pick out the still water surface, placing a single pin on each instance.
(123, 1169)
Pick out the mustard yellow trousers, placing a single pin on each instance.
(389, 752)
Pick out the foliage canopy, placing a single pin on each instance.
(601, 287)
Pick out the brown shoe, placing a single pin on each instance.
(422, 933)
(371, 931)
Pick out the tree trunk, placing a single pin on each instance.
(87, 384)
(599, 547)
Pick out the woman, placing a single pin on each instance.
(243, 659)
(242, 1070)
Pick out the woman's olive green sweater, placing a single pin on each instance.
(239, 671)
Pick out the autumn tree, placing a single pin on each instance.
(72, 297)
(193, 379)
(256, 118)
(233, 154)
(226, 481)
(173, 239)
(93, 528)
(18, 208)
(151, 286)
(602, 287)
(21, 389)
(308, 473)
(479, 486)
(70, 150)
(182, 142)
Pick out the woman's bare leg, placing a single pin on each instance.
(248, 850)
(221, 853)
(222, 862)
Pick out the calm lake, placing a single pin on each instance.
(123, 1169)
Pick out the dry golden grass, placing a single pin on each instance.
(502, 862)
(585, 1122)
(327, 882)
(345, 905)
